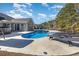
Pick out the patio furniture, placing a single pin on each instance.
(61, 37)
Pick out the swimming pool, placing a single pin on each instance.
(36, 34)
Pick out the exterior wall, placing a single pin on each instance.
(5, 29)
(25, 27)
(18, 26)
(30, 26)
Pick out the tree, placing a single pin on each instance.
(67, 17)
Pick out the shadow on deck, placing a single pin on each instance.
(73, 43)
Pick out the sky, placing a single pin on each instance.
(39, 12)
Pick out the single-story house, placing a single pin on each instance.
(9, 24)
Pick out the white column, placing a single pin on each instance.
(10, 27)
(13, 27)
(25, 27)
(20, 27)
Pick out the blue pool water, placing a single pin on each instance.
(36, 34)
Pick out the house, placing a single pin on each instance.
(9, 24)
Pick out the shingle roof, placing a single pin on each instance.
(16, 21)
(9, 19)
(5, 16)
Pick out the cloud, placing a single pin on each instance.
(28, 13)
(52, 16)
(31, 10)
(17, 16)
(42, 15)
(16, 5)
(29, 4)
(57, 7)
(45, 4)
(13, 14)
(18, 11)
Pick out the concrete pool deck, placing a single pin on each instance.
(41, 45)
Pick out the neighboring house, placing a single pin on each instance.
(9, 24)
